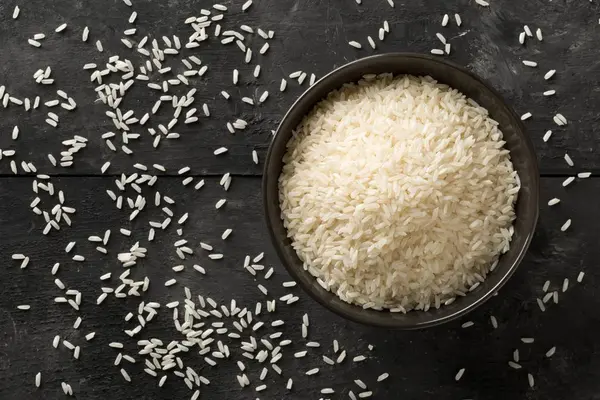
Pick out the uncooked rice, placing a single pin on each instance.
(553, 201)
(377, 192)
(540, 304)
(445, 20)
(549, 74)
(514, 365)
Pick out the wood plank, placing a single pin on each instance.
(309, 36)
(418, 362)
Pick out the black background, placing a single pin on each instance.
(312, 36)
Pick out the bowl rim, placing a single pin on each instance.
(297, 273)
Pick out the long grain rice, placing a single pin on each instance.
(340, 191)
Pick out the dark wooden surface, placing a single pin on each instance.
(310, 35)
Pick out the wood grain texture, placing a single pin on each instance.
(310, 35)
(422, 364)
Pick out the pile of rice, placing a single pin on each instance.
(397, 193)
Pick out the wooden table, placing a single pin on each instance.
(311, 36)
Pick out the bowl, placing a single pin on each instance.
(517, 142)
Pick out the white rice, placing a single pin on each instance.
(525, 116)
(530, 380)
(549, 74)
(246, 5)
(565, 285)
(263, 97)
(458, 19)
(371, 42)
(340, 189)
(445, 20)
(125, 375)
(560, 119)
(514, 365)
(569, 160)
(301, 78)
(538, 34)
(383, 377)
(540, 304)
(55, 268)
(360, 384)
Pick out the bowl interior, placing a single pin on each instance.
(522, 156)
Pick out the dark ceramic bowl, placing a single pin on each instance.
(522, 155)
